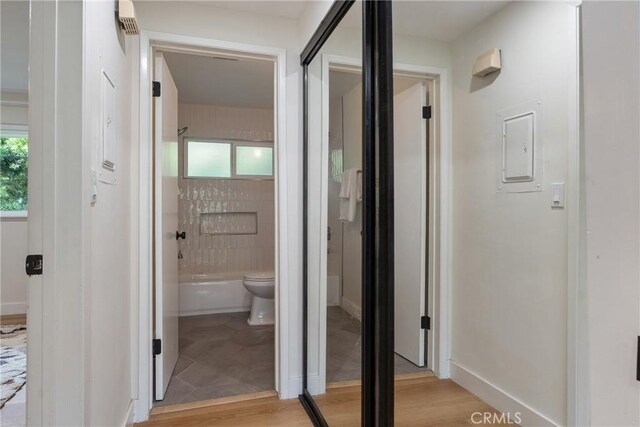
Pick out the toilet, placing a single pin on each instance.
(261, 285)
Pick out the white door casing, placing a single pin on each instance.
(166, 225)
(410, 203)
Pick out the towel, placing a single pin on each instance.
(350, 194)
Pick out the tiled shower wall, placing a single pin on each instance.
(207, 253)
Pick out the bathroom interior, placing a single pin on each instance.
(226, 223)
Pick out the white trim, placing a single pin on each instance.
(15, 102)
(13, 215)
(440, 285)
(143, 398)
(10, 130)
(128, 419)
(42, 50)
(498, 398)
(577, 327)
(285, 387)
(8, 308)
(6, 103)
(439, 306)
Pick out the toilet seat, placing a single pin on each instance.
(259, 276)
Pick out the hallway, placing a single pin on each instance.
(425, 401)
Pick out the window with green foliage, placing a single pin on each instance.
(13, 173)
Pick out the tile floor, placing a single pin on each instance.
(221, 355)
(344, 347)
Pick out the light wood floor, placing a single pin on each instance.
(13, 319)
(425, 401)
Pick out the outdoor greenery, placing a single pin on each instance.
(13, 174)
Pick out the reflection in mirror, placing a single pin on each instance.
(335, 223)
(474, 219)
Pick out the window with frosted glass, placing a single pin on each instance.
(254, 161)
(208, 159)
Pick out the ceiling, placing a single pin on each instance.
(220, 81)
(439, 20)
(283, 9)
(341, 82)
(14, 46)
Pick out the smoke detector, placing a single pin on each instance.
(127, 17)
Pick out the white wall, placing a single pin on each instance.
(611, 74)
(509, 250)
(352, 237)
(13, 280)
(334, 245)
(221, 24)
(108, 288)
(13, 231)
(225, 253)
(311, 17)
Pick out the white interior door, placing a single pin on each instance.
(166, 225)
(410, 200)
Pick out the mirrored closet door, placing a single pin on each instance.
(442, 177)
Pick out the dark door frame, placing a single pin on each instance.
(377, 242)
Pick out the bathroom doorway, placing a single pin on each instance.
(215, 226)
(415, 103)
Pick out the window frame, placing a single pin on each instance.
(233, 143)
(14, 131)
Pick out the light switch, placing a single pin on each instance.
(518, 149)
(557, 195)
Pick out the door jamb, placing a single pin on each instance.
(438, 283)
(142, 319)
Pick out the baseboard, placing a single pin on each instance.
(294, 388)
(128, 420)
(351, 308)
(315, 385)
(499, 399)
(215, 311)
(157, 413)
(333, 290)
(13, 308)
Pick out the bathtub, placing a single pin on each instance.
(212, 293)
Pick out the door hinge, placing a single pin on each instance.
(638, 361)
(157, 346)
(33, 265)
(156, 89)
(425, 322)
(426, 112)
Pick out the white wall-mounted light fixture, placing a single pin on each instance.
(127, 17)
(487, 63)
